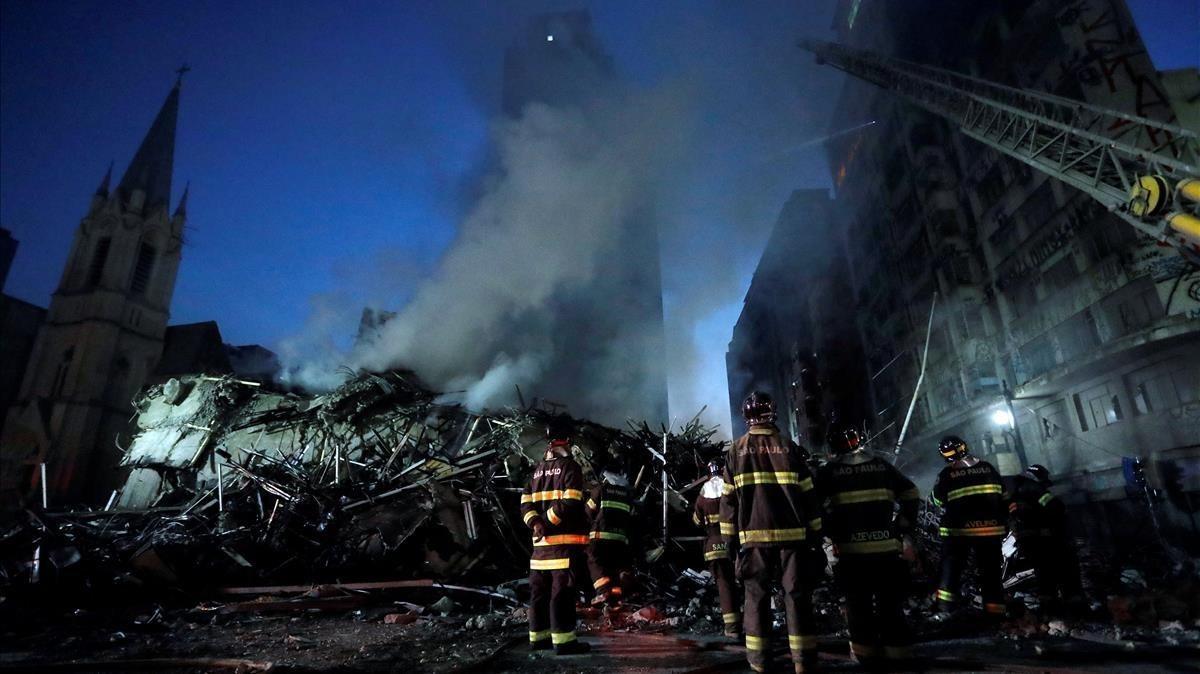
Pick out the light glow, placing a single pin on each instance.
(549, 38)
(1002, 418)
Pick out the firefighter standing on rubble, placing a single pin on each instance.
(552, 506)
(718, 551)
(610, 507)
(870, 509)
(1039, 521)
(973, 523)
(770, 506)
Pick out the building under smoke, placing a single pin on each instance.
(794, 338)
(609, 331)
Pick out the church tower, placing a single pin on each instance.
(103, 334)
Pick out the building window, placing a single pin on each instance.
(143, 268)
(64, 367)
(1141, 401)
(99, 258)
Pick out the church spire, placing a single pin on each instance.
(181, 209)
(102, 190)
(150, 170)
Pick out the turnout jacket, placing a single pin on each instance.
(1033, 511)
(554, 497)
(707, 516)
(770, 499)
(972, 495)
(610, 508)
(861, 493)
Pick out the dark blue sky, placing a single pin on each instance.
(328, 143)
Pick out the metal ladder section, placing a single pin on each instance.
(1135, 167)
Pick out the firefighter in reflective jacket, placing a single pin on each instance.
(718, 553)
(610, 508)
(552, 506)
(862, 493)
(973, 522)
(1039, 521)
(770, 505)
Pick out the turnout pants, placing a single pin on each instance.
(759, 568)
(1054, 564)
(552, 606)
(722, 572)
(987, 553)
(607, 561)
(875, 586)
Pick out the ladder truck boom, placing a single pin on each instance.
(1143, 170)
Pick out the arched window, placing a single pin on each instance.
(143, 269)
(99, 258)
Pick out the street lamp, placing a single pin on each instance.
(1003, 418)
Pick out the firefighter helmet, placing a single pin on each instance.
(559, 429)
(953, 448)
(758, 408)
(1038, 472)
(845, 441)
(715, 467)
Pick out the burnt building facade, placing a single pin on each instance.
(1044, 299)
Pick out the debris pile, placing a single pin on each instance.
(230, 482)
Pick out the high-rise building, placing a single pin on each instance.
(1043, 297)
(794, 339)
(104, 332)
(610, 334)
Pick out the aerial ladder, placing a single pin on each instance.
(1142, 170)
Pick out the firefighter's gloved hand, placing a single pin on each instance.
(539, 531)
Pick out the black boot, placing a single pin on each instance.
(541, 645)
(572, 648)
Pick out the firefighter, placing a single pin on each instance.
(610, 507)
(862, 494)
(770, 505)
(972, 495)
(718, 553)
(1039, 520)
(552, 506)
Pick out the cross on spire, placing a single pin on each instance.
(183, 69)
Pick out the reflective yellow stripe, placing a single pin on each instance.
(549, 564)
(713, 519)
(561, 539)
(909, 494)
(801, 642)
(552, 495)
(560, 638)
(609, 536)
(530, 515)
(772, 535)
(946, 595)
(777, 477)
(974, 531)
(604, 580)
(863, 496)
(539, 636)
(591, 504)
(868, 547)
(727, 529)
(1046, 498)
(974, 491)
(696, 519)
(936, 501)
(815, 524)
(550, 515)
(730, 618)
(754, 643)
(616, 505)
(715, 554)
